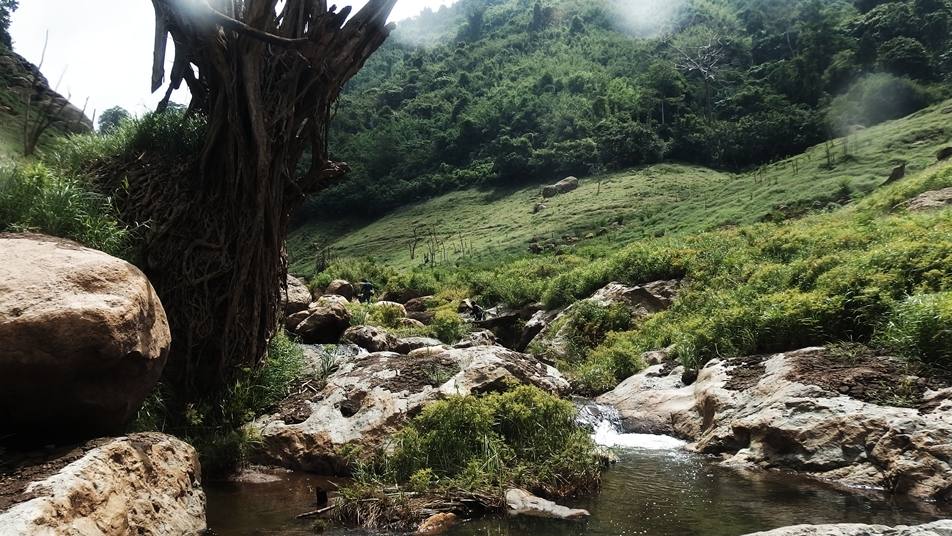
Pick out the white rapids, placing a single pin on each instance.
(605, 424)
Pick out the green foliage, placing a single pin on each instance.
(920, 327)
(110, 119)
(589, 323)
(523, 437)
(172, 133)
(7, 7)
(492, 104)
(218, 429)
(447, 326)
(38, 199)
(617, 357)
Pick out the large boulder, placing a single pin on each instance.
(369, 397)
(563, 186)
(141, 484)
(324, 324)
(370, 338)
(296, 298)
(83, 339)
(409, 344)
(944, 154)
(807, 411)
(937, 528)
(339, 287)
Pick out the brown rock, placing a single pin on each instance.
(292, 322)
(370, 338)
(141, 484)
(297, 297)
(324, 324)
(83, 335)
(341, 288)
(437, 524)
(417, 305)
(932, 200)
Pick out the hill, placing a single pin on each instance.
(19, 79)
(486, 225)
(505, 93)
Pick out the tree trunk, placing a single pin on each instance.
(265, 82)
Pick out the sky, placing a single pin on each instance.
(102, 49)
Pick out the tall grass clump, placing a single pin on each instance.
(484, 445)
(39, 199)
(172, 133)
(920, 328)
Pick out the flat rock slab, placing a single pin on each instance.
(145, 484)
(938, 528)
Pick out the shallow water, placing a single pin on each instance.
(654, 489)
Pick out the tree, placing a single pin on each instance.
(111, 118)
(905, 56)
(264, 78)
(7, 7)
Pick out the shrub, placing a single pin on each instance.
(920, 327)
(522, 437)
(40, 200)
(385, 315)
(615, 359)
(447, 326)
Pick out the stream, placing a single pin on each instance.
(656, 488)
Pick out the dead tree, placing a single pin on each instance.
(264, 74)
(701, 56)
(39, 115)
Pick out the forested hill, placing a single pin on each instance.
(505, 92)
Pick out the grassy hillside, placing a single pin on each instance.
(526, 90)
(650, 201)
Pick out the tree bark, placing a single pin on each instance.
(265, 81)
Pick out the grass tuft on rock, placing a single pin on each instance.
(477, 446)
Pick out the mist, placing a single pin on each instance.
(644, 18)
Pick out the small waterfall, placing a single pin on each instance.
(604, 422)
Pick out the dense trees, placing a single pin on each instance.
(7, 7)
(510, 91)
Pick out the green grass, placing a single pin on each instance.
(850, 275)
(35, 198)
(483, 227)
(523, 437)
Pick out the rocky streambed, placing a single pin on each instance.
(656, 487)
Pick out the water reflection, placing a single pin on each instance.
(673, 493)
(650, 492)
